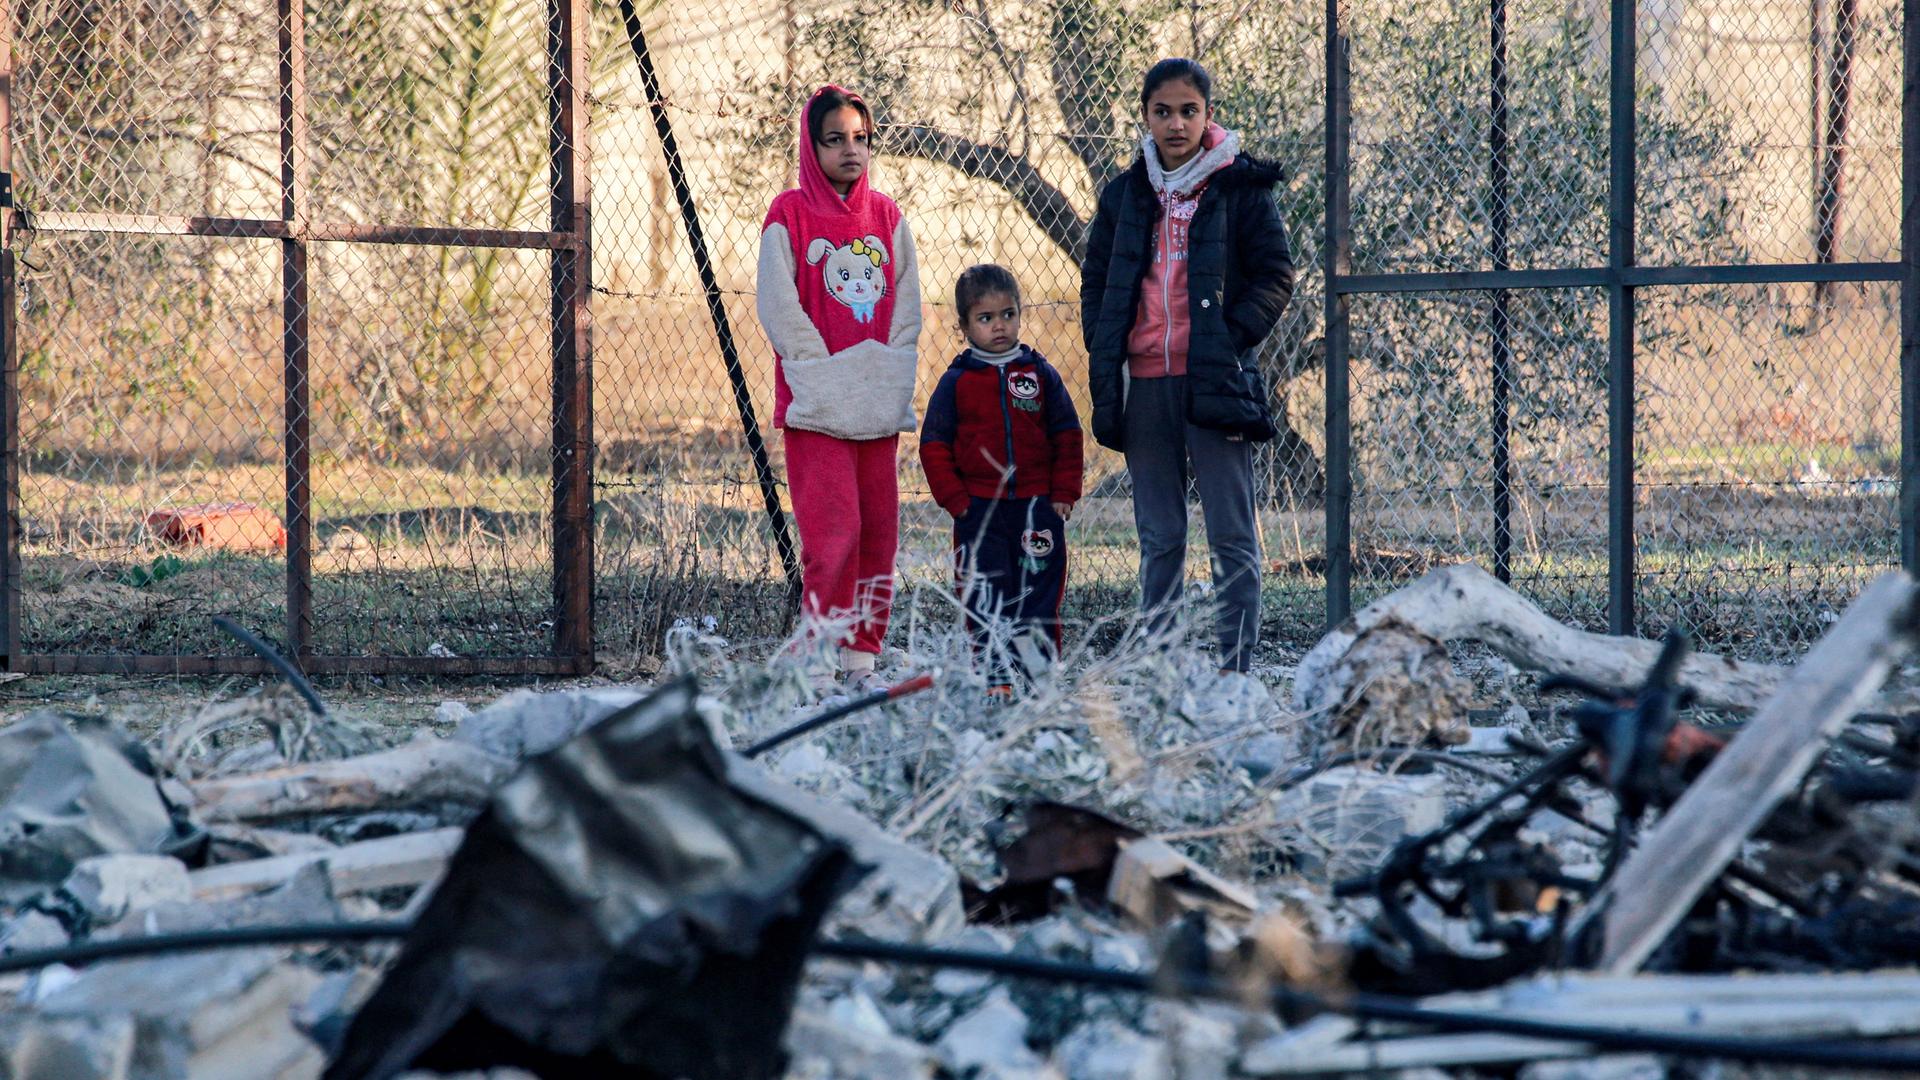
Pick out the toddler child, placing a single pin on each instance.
(1002, 452)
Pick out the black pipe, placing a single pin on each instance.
(716, 308)
(1178, 983)
(814, 723)
(280, 663)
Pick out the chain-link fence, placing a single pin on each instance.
(1674, 396)
(1646, 394)
(295, 305)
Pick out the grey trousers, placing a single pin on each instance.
(1159, 446)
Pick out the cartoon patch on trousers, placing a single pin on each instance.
(853, 272)
(1036, 544)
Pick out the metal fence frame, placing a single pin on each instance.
(568, 239)
(1620, 277)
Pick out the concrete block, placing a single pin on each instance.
(107, 887)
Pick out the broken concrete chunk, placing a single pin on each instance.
(1106, 1049)
(808, 766)
(69, 790)
(107, 887)
(527, 722)
(911, 895)
(955, 983)
(1263, 755)
(1202, 1040)
(305, 897)
(1229, 701)
(1490, 741)
(1154, 884)
(90, 1048)
(32, 930)
(209, 1016)
(994, 1034)
(1345, 820)
(1613, 1067)
(1270, 1056)
(825, 1049)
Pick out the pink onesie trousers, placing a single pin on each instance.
(846, 505)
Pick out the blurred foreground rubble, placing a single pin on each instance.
(1467, 804)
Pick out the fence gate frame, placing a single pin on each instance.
(1620, 277)
(567, 238)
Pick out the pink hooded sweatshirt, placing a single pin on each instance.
(1157, 347)
(839, 297)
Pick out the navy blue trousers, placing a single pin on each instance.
(1010, 562)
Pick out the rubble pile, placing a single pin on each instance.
(1467, 825)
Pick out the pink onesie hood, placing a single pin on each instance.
(841, 253)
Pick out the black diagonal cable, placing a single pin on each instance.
(722, 327)
(280, 663)
(815, 723)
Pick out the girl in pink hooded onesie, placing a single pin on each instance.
(839, 297)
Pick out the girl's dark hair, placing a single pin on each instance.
(982, 280)
(828, 100)
(1176, 67)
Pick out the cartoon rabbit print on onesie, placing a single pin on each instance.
(852, 273)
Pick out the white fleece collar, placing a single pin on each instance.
(997, 359)
(1198, 168)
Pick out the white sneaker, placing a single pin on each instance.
(857, 672)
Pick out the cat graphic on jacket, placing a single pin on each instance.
(852, 272)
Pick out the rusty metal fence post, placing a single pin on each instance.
(296, 329)
(1338, 256)
(1910, 287)
(569, 25)
(1499, 225)
(1622, 199)
(9, 364)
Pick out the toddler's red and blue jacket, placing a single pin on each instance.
(1001, 432)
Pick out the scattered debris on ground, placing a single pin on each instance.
(1479, 840)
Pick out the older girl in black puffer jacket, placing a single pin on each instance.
(1186, 273)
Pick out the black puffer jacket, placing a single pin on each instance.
(1238, 261)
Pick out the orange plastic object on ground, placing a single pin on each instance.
(228, 526)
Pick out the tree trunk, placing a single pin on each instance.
(1833, 144)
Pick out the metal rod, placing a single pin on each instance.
(716, 308)
(1621, 199)
(296, 328)
(569, 25)
(1910, 290)
(1500, 195)
(199, 664)
(1590, 277)
(281, 229)
(1338, 256)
